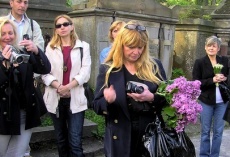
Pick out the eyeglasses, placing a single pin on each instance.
(135, 27)
(65, 24)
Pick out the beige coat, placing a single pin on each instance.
(78, 101)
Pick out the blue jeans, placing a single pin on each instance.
(68, 130)
(211, 114)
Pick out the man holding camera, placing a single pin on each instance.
(25, 26)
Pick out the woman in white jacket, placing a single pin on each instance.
(64, 93)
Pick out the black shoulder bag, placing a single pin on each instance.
(227, 111)
(38, 84)
(163, 142)
(89, 94)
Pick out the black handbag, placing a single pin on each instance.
(227, 113)
(89, 93)
(226, 116)
(163, 142)
(39, 97)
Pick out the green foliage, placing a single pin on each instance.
(89, 114)
(187, 2)
(169, 116)
(46, 120)
(179, 2)
(99, 120)
(207, 17)
(69, 3)
(177, 72)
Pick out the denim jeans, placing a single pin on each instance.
(68, 129)
(211, 114)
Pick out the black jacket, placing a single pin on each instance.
(9, 108)
(203, 71)
(117, 140)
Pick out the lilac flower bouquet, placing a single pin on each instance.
(181, 96)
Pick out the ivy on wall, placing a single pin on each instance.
(189, 2)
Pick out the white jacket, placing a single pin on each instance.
(78, 101)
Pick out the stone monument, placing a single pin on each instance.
(93, 18)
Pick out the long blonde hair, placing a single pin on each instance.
(3, 21)
(56, 39)
(147, 68)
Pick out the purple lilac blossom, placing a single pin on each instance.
(185, 101)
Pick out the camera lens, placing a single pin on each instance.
(132, 88)
(19, 59)
(139, 89)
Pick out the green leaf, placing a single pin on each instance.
(170, 111)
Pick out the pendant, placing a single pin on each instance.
(65, 68)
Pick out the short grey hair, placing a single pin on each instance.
(212, 40)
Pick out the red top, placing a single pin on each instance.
(67, 62)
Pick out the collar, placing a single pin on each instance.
(78, 44)
(24, 17)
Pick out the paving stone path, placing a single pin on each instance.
(225, 147)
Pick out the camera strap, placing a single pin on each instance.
(32, 28)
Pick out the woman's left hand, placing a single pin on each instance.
(29, 46)
(144, 96)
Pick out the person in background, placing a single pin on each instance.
(23, 23)
(24, 26)
(19, 103)
(213, 98)
(128, 111)
(113, 31)
(64, 92)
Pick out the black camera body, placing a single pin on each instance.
(133, 88)
(26, 36)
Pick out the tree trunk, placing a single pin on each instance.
(205, 2)
(213, 2)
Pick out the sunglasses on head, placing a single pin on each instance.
(135, 27)
(65, 24)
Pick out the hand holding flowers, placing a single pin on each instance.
(181, 96)
(217, 71)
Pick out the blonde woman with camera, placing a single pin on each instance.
(125, 92)
(19, 104)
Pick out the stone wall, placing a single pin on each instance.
(43, 11)
(190, 37)
(189, 43)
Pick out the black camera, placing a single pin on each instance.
(26, 36)
(133, 88)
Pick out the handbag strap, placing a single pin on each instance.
(81, 51)
(153, 125)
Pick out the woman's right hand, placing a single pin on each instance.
(110, 94)
(219, 78)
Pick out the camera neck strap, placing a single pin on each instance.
(32, 28)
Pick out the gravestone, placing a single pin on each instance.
(93, 18)
(221, 17)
